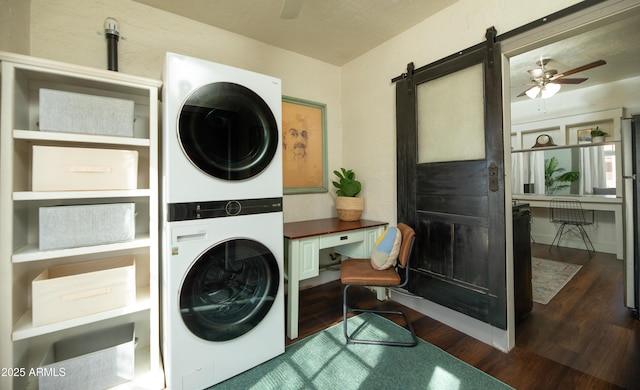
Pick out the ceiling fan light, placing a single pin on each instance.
(533, 92)
(550, 90)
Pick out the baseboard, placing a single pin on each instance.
(604, 247)
(498, 338)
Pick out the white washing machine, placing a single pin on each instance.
(221, 132)
(222, 242)
(223, 298)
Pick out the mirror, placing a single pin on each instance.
(577, 170)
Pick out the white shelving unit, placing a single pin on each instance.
(607, 234)
(22, 345)
(564, 130)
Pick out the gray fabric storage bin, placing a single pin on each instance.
(71, 112)
(63, 227)
(95, 360)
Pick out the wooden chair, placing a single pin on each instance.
(359, 272)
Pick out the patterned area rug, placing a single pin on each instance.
(549, 277)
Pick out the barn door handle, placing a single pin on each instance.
(493, 177)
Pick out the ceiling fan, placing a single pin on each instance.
(546, 82)
(290, 9)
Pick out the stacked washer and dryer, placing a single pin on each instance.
(222, 246)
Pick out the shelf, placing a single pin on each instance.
(144, 377)
(60, 72)
(23, 78)
(567, 130)
(32, 253)
(586, 145)
(51, 195)
(36, 135)
(544, 200)
(24, 328)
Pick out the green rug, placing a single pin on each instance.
(324, 361)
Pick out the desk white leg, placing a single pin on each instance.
(293, 274)
(381, 293)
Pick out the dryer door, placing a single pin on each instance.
(227, 131)
(229, 289)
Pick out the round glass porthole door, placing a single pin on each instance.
(228, 131)
(229, 290)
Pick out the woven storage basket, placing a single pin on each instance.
(349, 208)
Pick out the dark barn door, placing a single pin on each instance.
(451, 180)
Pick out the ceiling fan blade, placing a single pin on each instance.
(290, 9)
(579, 69)
(522, 85)
(569, 81)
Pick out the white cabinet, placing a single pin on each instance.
(303, 242)
(23, 345)
(309, 254)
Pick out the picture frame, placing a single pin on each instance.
(304, 146)
(584, 136)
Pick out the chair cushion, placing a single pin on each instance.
(385, 252)
(360, 272)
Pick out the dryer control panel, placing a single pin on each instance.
(222, 208)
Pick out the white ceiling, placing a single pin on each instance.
(337, 31)
(334, 31)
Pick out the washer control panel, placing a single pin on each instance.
(222, 208)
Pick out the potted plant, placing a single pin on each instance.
(598, 135)
(555, 178)
(348, 205)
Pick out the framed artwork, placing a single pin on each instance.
(304, 146)
(584, 136)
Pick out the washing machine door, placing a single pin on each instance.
(227, 131)
(229, 289)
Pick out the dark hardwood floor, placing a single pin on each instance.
(585, 338)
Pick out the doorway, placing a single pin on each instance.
(590, 310)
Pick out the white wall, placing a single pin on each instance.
(369, 113)
(14, 26)
(557, 109)
(69, 31)
(360, 97)
(369, 96)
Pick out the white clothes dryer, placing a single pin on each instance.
(221, 132)
(222, 245)
(223, 297)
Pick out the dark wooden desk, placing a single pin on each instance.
(305, 239)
